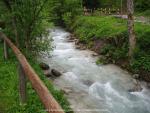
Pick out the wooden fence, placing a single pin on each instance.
(25, 70)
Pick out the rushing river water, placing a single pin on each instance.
(91, 88)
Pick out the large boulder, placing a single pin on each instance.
(44, 66)
(55, 73)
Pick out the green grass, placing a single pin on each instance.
(143, 13)
(88, 27)
(9, 96)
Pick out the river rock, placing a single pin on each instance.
(77, 41)
(78, 47)
(87, 82)
(68, 37)
(94, 54)
(136, 76)
(48, 73)
(66, 91)
(148, 85)
(83, 47)
(70, 40)
(44, 66)
(72, 37)
(55, 73)
(137, 87)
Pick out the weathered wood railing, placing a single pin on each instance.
(25, 70)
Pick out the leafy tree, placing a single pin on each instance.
(63, 12)
(56, 11)
(142, 5)
(29, 21)
(91, 4)
(72, 9)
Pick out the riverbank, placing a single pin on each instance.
(9, 88)
(108, 37)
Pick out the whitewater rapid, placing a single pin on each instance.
(91, 88)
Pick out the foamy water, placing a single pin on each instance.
(92, 88)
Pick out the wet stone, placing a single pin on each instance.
(55, 73)
(44, 66)
(87, 82)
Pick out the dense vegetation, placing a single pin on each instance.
(26, 22)
(9, 92)
(69, 9)
(114, 34)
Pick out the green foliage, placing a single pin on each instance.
(91, 4)
(99, 27)
(9, 93)
(101, 61)
(143, 13)
(56, 10)
(115, 53)
(143, 33)
(141, 60)
(114, 32)
(28, 19)
(142, 5)
(69, 10)
(111, 3)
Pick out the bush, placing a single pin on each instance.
(114, 52)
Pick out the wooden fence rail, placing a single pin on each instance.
(25, 70)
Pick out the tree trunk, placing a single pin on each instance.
(132, 39)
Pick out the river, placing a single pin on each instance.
(93, 88)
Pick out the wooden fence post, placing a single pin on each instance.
(5, 50)
(22, 84)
